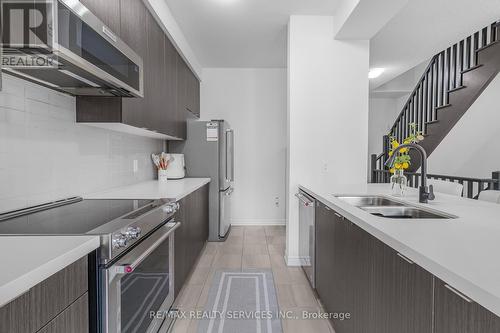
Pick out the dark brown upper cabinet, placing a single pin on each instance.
(189, 88)
(193, 93)
(171, 90)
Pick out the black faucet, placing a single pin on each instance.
(424, 193)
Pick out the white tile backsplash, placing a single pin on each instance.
(45, 155)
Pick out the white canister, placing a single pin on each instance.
(162, 175)
(176, 166)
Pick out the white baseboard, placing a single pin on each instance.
(257, 222)
(293, 260)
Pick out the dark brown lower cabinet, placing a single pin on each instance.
(384, 291)
(44, 303)
(343, 270)
(74, 319)
(191, 236)
(325, 231)
(455, 313)
(401, 293)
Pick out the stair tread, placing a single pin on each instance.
(456, 89)
(488, 56)
(471, 68)
(443, 106)
(487, 46)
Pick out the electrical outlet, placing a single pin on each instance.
(325, 167)
(277, 201)
(136, 166)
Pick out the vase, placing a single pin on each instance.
(399, 183)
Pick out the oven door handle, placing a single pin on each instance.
(136, 256)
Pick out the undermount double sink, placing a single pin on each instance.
(388, 208)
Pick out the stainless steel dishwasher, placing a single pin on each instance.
(307, 208)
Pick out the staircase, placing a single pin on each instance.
(451, 83)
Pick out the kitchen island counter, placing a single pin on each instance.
(459, 251)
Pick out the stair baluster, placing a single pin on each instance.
(445, 73)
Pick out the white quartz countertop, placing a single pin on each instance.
(462, 252)
(153, 189)
(28, 260)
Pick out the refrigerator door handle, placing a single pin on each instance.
(227, 155)
(230, 150)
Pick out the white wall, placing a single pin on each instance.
(253, 101)
(383, 112)
(471, 147)
(327, 112)
(45, 155)
(386, 102)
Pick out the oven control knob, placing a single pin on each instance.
(119, 241)
(133, 232)
(170, 208)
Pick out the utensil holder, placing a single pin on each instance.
(162, 175)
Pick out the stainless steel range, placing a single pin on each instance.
(134, 266)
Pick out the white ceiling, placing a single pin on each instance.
(423, 28)
(241, 33)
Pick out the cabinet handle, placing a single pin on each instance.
(327, 208)
(338, 215)
(405, 258)
(458, 293)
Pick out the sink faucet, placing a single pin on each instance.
(424, 193)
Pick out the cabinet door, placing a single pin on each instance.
(155, 82)
(356, 279)
(191, 236)
(200, 220)
(38, 306)
(107, 11)
(193, 93)
(455, 313)
(133, 16)
(182, 83)
(350, 283)
(74, 319)
(325, 233)
(169, 115)
(401, 294)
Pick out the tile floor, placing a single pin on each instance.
(252, 247)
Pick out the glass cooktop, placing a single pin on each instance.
(72, 219)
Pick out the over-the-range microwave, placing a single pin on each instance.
(62, 45)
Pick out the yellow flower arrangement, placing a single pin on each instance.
(403, 160)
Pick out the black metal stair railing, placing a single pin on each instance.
(443, 75)
(472, 186)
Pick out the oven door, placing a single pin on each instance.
(138, 289)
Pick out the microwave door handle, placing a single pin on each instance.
(135, 257)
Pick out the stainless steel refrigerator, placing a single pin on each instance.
(209, 152)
